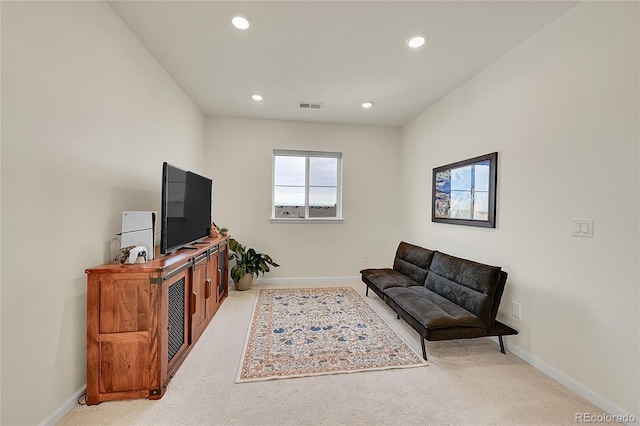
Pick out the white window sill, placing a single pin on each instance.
(311, 220)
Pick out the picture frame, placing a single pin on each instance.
(464, 193)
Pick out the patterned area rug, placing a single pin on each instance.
(311, 331)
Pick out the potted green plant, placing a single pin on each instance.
(215, 231)
(248, 263)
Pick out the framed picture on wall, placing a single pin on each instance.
(464, 193)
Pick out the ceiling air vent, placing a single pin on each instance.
(310, 105)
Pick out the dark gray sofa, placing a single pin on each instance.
(440, 296)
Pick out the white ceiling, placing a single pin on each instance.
(337, 53)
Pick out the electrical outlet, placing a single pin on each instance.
(365, 259)
(515, 309)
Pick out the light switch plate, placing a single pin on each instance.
(582, 227)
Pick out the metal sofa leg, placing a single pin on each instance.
(367, 292)
(501, 344)
(424, 350)
(397, 315)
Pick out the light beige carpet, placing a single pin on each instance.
(467, 382)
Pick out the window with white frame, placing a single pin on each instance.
(307, 185)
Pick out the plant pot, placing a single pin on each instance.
(245, 282)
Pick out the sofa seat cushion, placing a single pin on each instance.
(431, 310)
(386, 278)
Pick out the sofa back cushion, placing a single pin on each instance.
(413, 261)
(468, 284)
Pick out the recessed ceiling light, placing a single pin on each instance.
(367, 104)
(416, 41)
(256, 97)
(240, 22)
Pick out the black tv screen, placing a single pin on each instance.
(186, 208)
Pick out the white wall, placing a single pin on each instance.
(88, 118)
(240, 161)
(562, 111)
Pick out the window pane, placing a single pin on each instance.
(289, 171)
(461, 179)
(322, 202)
(481, 206)
(482, 176)
(323, 196)
(323, 171)
(443, 182)
(289, 196)
(460, 205)
(289, 201)
(443, 202)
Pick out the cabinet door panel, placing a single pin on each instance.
(124, 362)
(124, 303)
(212, 283)
(223, 277)
(198, 300)
(174, 326)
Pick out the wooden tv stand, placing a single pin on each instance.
(143, 319)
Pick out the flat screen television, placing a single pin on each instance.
(186, 208)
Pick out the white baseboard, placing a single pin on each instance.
(316, 280)
(605, 405)
(64, 408)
